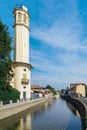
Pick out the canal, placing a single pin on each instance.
(55, 114)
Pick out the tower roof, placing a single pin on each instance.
(20, 7)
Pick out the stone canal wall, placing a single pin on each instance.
(77, 103)
(12, 109)
(81, 107)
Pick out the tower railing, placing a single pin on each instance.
(24, 81)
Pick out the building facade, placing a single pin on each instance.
(36, 92)
(21, 66)
(78, 89)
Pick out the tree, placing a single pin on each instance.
(48, 87)
(5, 60)
(52, 89)
(6, 72)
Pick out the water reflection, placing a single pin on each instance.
(57, 117)
(73, 109)
(52, 115)
(76, 112)
(21, 121)
(25, 123)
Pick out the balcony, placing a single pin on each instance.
(24, 81)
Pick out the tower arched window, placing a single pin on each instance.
(15, 18)
(24, 18)
(19, 17)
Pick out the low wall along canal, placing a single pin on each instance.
(12, 109)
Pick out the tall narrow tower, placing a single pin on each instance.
(22, 79)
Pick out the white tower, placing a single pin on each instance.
(22, 79)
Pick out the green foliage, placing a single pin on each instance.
(5, 60)
(63, 91)
(11, 94)
(6, 73)
(52, 89)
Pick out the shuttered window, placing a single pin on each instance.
(19, 17)
(24, 18)
(24, 76)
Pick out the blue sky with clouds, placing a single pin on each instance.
(58, 39)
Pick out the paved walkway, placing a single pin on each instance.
(84, 100)
(19, 103)
(12, 109)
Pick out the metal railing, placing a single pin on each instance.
(24, 81)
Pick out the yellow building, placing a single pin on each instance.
(21, 66)
(78, 89)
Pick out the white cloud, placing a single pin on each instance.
(66, 34)
(48, 72)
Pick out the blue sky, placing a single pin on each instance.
(58, 39)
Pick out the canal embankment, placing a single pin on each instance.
(54, 114)
(80, 106)
(14, 108)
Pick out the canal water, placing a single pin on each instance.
(55, 114)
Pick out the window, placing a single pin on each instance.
(24, 18)
(24, 76)
(24, 87)
(24, 69)
(15, 17)
(19, 17)
(24, 95)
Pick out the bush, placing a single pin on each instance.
(10, 94)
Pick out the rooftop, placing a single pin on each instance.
(36, 87)
(21, 6)
(72, 85)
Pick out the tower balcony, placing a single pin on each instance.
(24, 81)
